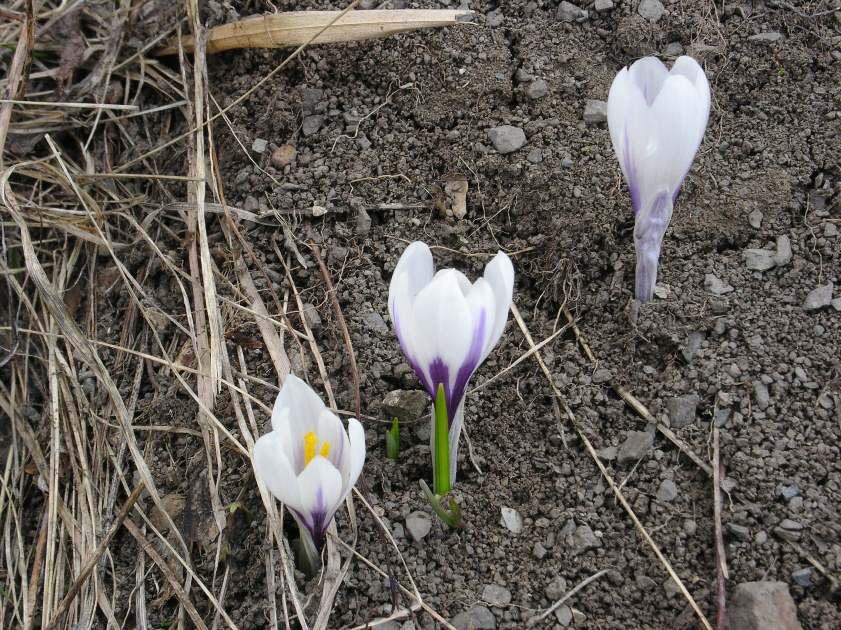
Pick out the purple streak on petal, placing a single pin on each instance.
(317, 522)
(471, 362)
(412, 363)
(648, 239)
(630, 170)
(439, 373)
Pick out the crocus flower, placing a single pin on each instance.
(447, 326)
(657, 119)
(308, 460)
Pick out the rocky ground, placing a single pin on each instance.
(358, 148)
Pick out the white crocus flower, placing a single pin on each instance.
(447, 326)
(657, 120)
(308, 461)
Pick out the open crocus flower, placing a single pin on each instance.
(308, 460)
(657, 120)
(446, 327)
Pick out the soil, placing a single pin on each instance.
(378, 130)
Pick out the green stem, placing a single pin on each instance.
(442, 445)
(307, 557)
(451, 518)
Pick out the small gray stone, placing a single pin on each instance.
(535, 156)
(791, 525)
(477, 618)
(601, 375)
(582, 539)
(284, 156)
(363, 222)
(512, 520)
(716, 286)
(755, 218)
(819, 297)
(507, 139)
(836, 303)
(690, 527)
(603, 5)
(556, 589)
(693, 344)
(765, 39)
(539, 551)
(667, 490)
(309, 99)
(375, 322)
(564, 615)
(740, 532)
(537, 89)
(758, 259)
(494, 19)
(310, 314)
(635, 446)
(762, 606)
(312, 124)
(651, 10)
(568, 12)
(682, 410)
(608, 454)
(259, 145)
(496, 595)
(406, 405)
(830, 230)
(595, 111)
(803, 577)
(675, 49)
(789, 492)
(418, 524)
(783, 255)
(760, 392)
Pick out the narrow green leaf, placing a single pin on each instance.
(442, 444)
(392, 441)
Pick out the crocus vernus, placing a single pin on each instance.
(309, 461)
(657, 119)
(446, 327)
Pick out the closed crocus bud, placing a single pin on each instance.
(657, 120)
(447, 326)
(308, 461)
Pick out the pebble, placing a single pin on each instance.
(595, 111)
(568, 12)
(791, 525)
(564, 615)
(375, 322)
(830, 230)
(651, 10)
(762, 606)
(681, 410)
(803, 577)
(763, 398)
(759, 259)
(836, 303)
(819, 297)
(783, 255)
(635, 446)
(494, 19)
(418, 525)
(740, 532)
(693, 343)
(556, 589)
(608, 454)
(363, 222)
(477, 618)
(674, 49)
(284, 156)
(496, 595)
(259, 145)
(406, 405)
(581, 540)
(765, 39)
(311, 316)
(507, 139)
(512, 520)
(667, 490)
(690, 527)
(312, 124)
(535, 156)
(310, 98)
(539, 551)
(755, 219)
(601, 375)
(537, 89)
(716, 286)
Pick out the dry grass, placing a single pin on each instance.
(89, 216)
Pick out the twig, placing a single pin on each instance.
(538, 618)
(721, 559)
(617, 493)
(90, 565)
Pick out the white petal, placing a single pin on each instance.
(500, 276)
(442, 325)
(331, 430)
(272, 466)
(417, 266)
(357, 452)
(632, 131)
(303, 404)
(321, 489)
(648, 74)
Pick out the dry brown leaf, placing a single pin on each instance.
(279, 30)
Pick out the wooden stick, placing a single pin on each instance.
(721, 559)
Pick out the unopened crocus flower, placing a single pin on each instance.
(308, 461)
(446, 327)
(657, 120)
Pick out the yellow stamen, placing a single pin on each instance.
(310, 442)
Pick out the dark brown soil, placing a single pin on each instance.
(404, 115)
